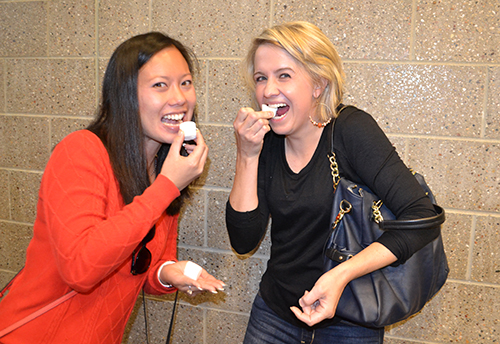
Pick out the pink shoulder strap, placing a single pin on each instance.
(37, 313)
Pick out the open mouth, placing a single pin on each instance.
(173, 119)
(279, 109)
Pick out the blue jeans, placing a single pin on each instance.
(265, 326)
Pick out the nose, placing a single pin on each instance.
(271, 89)
(176, 96)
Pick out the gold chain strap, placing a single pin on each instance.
(335, 170)
(377, 214)
(346, 207)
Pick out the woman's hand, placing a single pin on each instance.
(182, 170)
(250, 127)
(321, 302)
(174, 274)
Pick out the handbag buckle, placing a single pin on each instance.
(344, 208)
(338, 256)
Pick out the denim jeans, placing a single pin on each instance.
(265, 326)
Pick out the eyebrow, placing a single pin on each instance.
(279, 70)
(182, 76)
(169, 77)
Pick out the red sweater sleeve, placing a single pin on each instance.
(91, 233)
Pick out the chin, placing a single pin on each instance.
(167, 138)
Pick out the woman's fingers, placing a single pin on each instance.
(182, 170)
(250, 128)
(180, 276)
(252, 122)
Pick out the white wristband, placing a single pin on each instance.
(159, 270)
(192, 270)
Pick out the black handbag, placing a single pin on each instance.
(391, 294)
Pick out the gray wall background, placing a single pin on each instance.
(428, 71)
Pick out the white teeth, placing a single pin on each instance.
(272, 107)
(174, 117)
(275, 106)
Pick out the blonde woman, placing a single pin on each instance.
(282, 172)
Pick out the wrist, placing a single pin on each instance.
(244, 161)
(162, 282)
(342, 273)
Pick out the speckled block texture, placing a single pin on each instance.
(428, 71)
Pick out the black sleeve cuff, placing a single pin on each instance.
(245, 229)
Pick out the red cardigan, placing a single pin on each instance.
(83, 240)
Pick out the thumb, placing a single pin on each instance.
(177, 142)
(308, 299)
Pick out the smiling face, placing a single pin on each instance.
(166, 97)
(282, 82)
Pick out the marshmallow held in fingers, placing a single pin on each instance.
(268, 108)
(189, 129)
(192, 270)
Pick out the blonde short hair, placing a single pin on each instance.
(309, 46)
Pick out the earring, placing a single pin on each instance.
(319, 125)
(324, 124)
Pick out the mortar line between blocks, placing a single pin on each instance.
(207, 91)
(470, 257)
(485, 103)
(413, 25)
(271, 10)
(205, 218)
(204, 330)
(150, 13)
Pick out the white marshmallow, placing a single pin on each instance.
(268, 108)
(192, 270)
(189, 129)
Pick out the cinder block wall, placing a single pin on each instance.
(428, 71)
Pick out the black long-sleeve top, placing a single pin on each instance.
(300, 206)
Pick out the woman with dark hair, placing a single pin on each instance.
(109, 203)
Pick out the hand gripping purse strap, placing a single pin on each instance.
(423, 223)
(37, 313)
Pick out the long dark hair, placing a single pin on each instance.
(118, 123)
